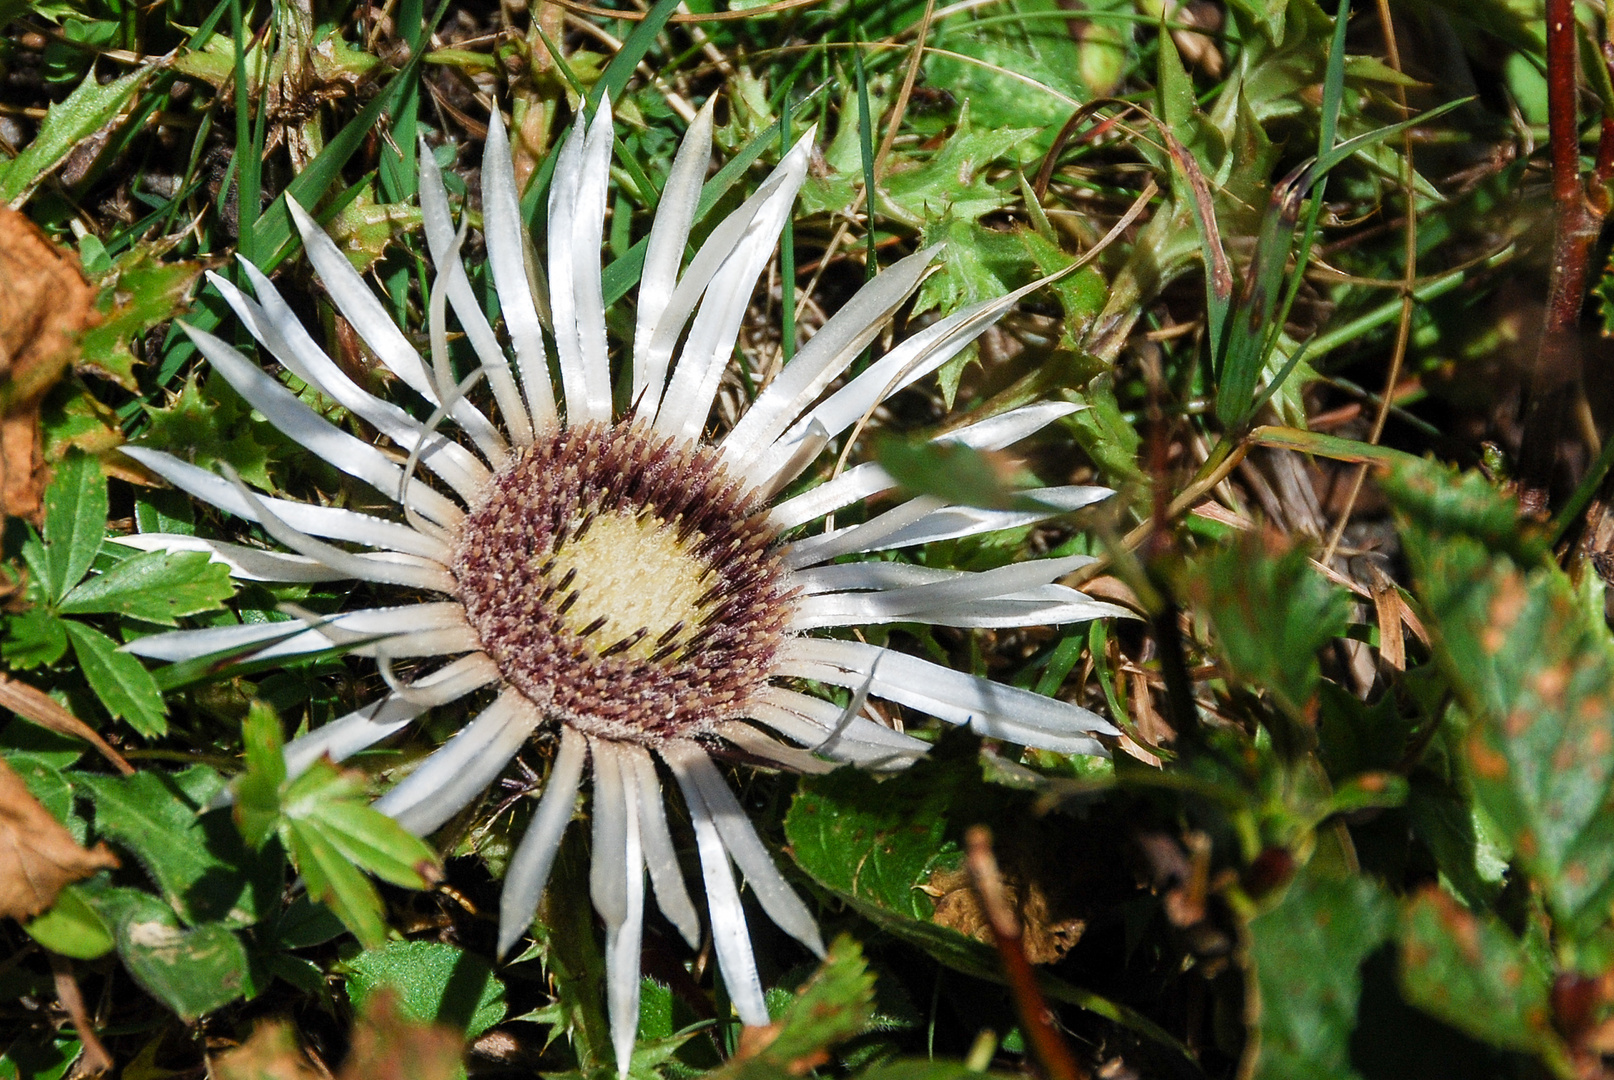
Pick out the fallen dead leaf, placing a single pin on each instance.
(272, 1053)
(37, 854)
(388, 1045)
(35, 705)
(44, 303)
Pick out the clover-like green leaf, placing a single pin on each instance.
(157, 586)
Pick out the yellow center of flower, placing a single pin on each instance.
(631, 573)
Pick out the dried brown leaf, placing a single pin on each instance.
(272, 1053)
(389, 1046)
(36, 706)
(44, 303)
(37, 855)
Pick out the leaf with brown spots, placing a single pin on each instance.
(44, 303)
(1472, 972)
(1533, 664)
(37, 854)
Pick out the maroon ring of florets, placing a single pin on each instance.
(517, 598)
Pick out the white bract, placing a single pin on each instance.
(621, 587)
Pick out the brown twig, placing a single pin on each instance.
(1578, 210)
(1047, 1045)
(96, 1061)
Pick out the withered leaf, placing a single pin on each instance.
(38, 856)
(387, 1043)
(271, 1054)
(44, 303)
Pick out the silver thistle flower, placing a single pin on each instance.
(617, 577)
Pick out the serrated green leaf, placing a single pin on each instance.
(209, 423)
(1306, 954)
(1440, 500)
(834, 1005)
(72, 927)
(337, 883)
(334, 804)
(90, 108)
(1471, 972)
(1534, 667)
(1272, 613)
(257, 792)
(435, 983)
(157, 586)
(75, 522)
(196, 859)
(33, 637)
(121, 681)
(140, 292)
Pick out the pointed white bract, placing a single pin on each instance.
(442, 470)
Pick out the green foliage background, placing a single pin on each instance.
(1308, 860)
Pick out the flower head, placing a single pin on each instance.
(609, 574)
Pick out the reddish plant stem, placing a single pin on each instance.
(1047, 1045)
(1579, 210)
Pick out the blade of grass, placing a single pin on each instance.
(865, 136)
(246, 164)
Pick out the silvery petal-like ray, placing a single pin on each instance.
(383, 569)
(666, 876)
(871, 535)
(710, 344)
(842, 748)
(1047, 605)
(989, 708)
(363, 728)
(869, 478)
(577, 187)
(459, 770)
(328, 521)
(504, 230)
(245, 563)
(303, 425)
(888, 604)
(769, 750)
(829, 352)
(897, 370)
(852, 576)
(623, 943)
(439, 223)
(529, 868)
(777, 898)
(829, 729)
(852, 486)
(607, 876)
(1008, 428)
(720, 243)
(176, 645)
(731, 940)
(588, 240)
(665, 252)
(937, 523)
(271, 321)
(361, 308)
